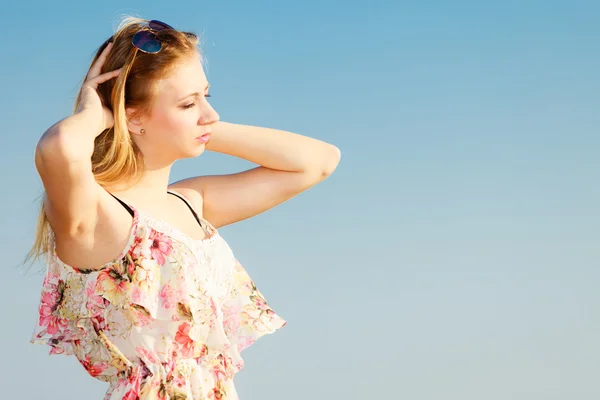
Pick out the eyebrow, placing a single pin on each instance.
(195, 93)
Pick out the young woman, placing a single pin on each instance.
(140, 286)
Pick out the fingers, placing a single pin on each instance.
(97, 67)
(94, 82)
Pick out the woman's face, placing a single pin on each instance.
(179, 122)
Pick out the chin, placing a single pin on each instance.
(195, 151)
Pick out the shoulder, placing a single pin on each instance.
(193, 196)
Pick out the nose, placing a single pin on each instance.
(208, 115)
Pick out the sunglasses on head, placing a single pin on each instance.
(146, 40)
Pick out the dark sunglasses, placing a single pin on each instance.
(146, 41)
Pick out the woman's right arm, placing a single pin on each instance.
(63, 160)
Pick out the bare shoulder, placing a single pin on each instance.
(192, 195)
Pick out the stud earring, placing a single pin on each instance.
(142, 131)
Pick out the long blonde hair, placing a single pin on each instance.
(115, 157)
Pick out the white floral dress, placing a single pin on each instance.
(167, 320)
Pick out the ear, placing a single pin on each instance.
(134, 122)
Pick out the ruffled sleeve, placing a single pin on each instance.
(71, 318)
(246, 314)
(59, 322)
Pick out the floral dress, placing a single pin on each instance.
(166, 320)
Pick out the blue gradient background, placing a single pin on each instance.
(454, 253)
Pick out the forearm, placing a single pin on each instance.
(273, 148)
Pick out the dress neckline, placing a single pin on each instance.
(171, 231)
(168, 229)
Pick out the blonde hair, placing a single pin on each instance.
(115, 157)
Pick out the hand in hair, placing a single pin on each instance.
(90, 101)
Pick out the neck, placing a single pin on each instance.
(152, 187)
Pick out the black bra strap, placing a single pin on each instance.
(191, 209)
(123, 204)
(174, 194)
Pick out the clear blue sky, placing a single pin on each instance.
(454, 253)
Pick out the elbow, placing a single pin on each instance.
(45, 147)
(330, 161)
(50, 145)
(59, 148)
(324, 165)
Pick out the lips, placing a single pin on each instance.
(204, 138)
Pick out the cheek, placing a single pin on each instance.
(175, 122)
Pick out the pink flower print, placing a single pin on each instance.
(99, 322)
(219, 374)
(133, 381)
(52, 323)
(179, 380)
(167, 296)
(50, 277)
(182, 337)
(50, 301)
(140, 315)
(131, 265)
(136, 294)
(260, 302)
(112, 286)
(50, 297)
(141, 245)
(217, 392)
(147, 355)
(57, 349)
(94, 369)
(144, 278)
(161, 246)
(95, 302)
(231, 317)
(131, 395)
(219, 370)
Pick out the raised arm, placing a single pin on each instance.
(63, 159)
(288, 164)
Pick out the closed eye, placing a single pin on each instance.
(193, 104)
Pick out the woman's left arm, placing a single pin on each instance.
(288, 164)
